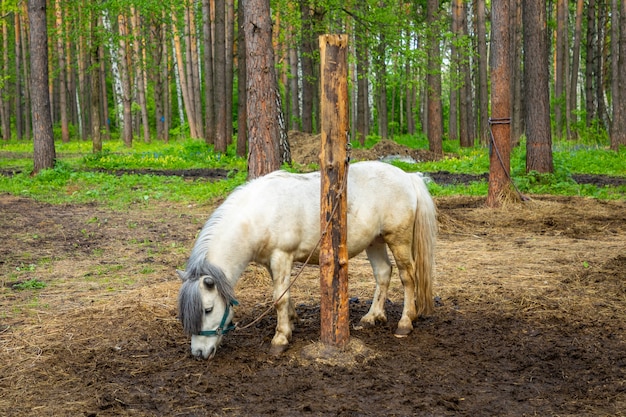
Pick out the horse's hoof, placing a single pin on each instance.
(277, 350)
(402, 332)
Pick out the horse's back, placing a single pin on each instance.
(283, 209)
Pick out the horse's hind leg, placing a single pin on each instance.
(381, 265)
(404, 261)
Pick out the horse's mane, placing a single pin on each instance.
(197, 258)
(190, 309)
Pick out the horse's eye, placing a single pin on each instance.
(208, 310)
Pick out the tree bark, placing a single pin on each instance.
(362, 69)
(483, 88)
(194, 67)
(500, 150)
(309, 81)
(65, 132)
(294, 91)
(229, 50)
(19, 92)
(140, 68)
(5, 115)
(221, 132)
(381, 93)
(242, 104)
(618, 133)
(434, 117)
(127, 120)
(466, 113)
(560, 91)
(44, 154)
(517, 99)
(184, 81)
(209, 78)
(591, 56)
(536, 73)
(453, 115)
(334, 312)
(96, 137)
(575, 64)
(24, 30)
(264, 110)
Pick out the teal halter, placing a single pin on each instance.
(221, 330)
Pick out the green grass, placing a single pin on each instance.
(79, 178)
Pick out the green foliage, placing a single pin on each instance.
(30, 284)
(81, 177)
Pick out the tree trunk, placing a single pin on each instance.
(294, 92)
(65, 132)
(19, 92)
(140, 69)
(156, 75)
(104, 108)
(184, 81)
(229, 61)
(127, 119)
(309, 48)
(82, 94)
(115, 71)
(536, 73)
(483, 88)
(194, 67)
(517, 120)
(362, 69)
(209, 82)
(561, 56)
(5, 115)
(307, 67)
(453, 115)
(500, 150)
(466, 114)
(263, 107)
(44, 153)
(591, 56)
(603, 117)
(381, 93)
(242, 104)
(410, 100)
(618, 133)
(575, 64)
(221, 132)
(26, 76)
(96, 138)
(434, 118)
(165, 80)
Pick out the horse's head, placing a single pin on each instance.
(205, 304)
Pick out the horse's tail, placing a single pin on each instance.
(424, 241)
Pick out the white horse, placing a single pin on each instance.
(275, 220)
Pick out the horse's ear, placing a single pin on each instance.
(181, 275)
(209, 282)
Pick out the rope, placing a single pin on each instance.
(503, 121)
(341, 190)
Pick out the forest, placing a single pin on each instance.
(149, 70)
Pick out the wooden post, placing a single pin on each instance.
(335, 331)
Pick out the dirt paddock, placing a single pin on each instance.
(530, 319)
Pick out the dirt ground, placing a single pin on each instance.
(530, 320)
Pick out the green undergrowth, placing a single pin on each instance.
(81, 176)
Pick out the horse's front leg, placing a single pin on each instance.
(280, 269)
